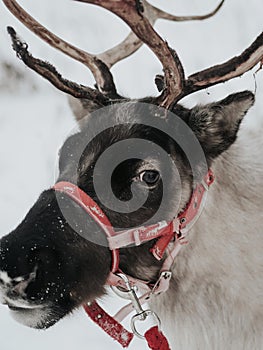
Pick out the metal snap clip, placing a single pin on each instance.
(142, 317)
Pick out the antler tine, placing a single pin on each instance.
(49, 72)
(230, 69)
(132, 43)
(132, 14)
(165, 15)
(99, 70)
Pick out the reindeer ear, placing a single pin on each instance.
(82, 108)
(216, 125)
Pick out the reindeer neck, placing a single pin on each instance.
(215, 274)
(230, 219)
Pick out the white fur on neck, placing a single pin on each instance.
(216, 297)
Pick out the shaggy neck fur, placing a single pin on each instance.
(215, 298)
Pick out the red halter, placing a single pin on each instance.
(166, 232)
(163, 230)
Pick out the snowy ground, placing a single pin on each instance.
(35, 119)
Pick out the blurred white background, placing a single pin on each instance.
(35, 118)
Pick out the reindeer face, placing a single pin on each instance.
(58, 258)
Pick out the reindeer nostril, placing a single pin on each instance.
(21, 283)
(14, 293)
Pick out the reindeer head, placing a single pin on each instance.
(58, 257)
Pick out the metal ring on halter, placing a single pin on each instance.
(142, 317)
(120, 291)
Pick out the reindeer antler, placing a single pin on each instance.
(140, 16)
(50, 73)
(132, 43)
(98, 68)
(175, 85)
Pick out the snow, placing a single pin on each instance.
(35, 118)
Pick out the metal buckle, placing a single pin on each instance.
(164, 275)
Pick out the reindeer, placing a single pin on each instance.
(73, 241)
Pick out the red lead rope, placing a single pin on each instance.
(109, 324)
(156, 340)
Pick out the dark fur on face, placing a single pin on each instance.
(70, 268)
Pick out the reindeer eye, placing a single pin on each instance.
(150, 177)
